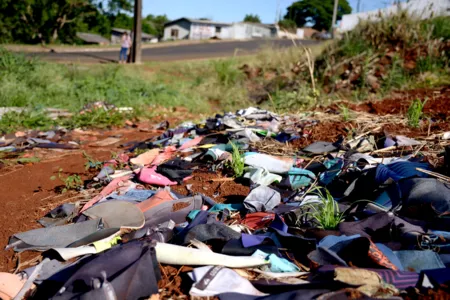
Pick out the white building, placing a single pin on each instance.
(420, 8)
(193, 29)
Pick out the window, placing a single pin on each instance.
(174, 33)
(218, 29)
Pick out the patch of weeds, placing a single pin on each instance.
(284, 101)
(120, 164)
(346, 113)
(97, 118)
(139, 151)
(19, 160)
(415, 112)
(91, 163)
(429, 64)
(326, 213)
(227, 72)
(13, 121)
(440, 27)
(396, 76)
(237, 163)
(71, 182)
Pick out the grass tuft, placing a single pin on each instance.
(71, 182)
(326, 213)
(237, 162)
(346, 113)
(415, 112)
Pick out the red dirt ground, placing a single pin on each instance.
(27, 193)
(437, 106)
(203, 182)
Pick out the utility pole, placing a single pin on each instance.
(137, 38)
(336, 2)
(358, 6)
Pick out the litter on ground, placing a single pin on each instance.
(245, 205)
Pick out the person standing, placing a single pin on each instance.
(125, 46)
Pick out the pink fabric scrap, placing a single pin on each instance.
(149, 175)
(191, 143)
(111, 187)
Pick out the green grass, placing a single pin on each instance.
(345, 113)
(28, 83)
(203, 86)
(217, 85)
(237, 162)
(415, 112)
(71, 182)
(91, 163)
(227, 71)
(326, 213)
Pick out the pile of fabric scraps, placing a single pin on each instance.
(334, 220)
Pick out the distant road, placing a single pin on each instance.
(177, 52)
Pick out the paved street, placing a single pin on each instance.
(178, 52)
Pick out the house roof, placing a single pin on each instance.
(92, 38)
(143, 34)
(197, 21)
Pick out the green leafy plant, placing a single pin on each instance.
(120, 164)
(13, 121)
(71, 182)
(415, 112)
(346, 113)
(139, 151)
(91, 163)
(227, 72)
(326, 213)
(237, 163)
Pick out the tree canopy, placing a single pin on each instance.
(288, 25)
(52, 21)
(318, 13)
(252, 18)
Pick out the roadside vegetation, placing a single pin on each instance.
(394, 53)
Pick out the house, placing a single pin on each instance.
(421, 8)
(116, 36)
(244, 30)
(91, 38)
(193, 29)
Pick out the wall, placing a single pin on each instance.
(202, 31)
(116, 38)
(184, 28)
(421, 8)
(240, 31)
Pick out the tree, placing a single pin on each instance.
(154, 24)
(117, 6)
(252, 18)
(288, 25)
(42, 20)
(318, 13)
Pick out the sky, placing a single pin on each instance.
(232, 10)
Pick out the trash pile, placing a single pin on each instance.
(21, 141)
(363, 217)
